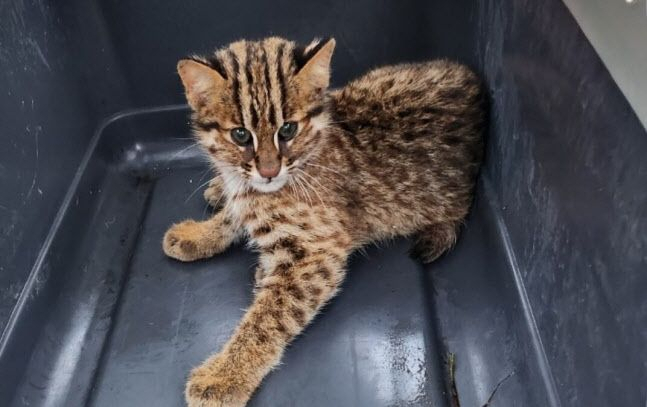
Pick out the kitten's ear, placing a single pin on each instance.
(200, 81)
(316, 70)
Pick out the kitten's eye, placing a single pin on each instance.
(287, 131)
(241, 136)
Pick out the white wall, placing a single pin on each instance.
(618, 31)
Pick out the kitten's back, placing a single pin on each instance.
(411, 101)
(414, 128)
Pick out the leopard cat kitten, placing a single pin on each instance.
(309, 174)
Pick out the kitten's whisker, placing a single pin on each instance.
(314, 179)
(291, 184)
(238, 190)
(313, 188)
(294, 184)
(307, 187)
(178, 153)
(324, 167)
(316, 192)
(306, 195)
(204, 173)
(299, 189)
(234, 193)
(204, 210)
(183, 138)
(196, 190)
(332, 181)
(339, 121)
(228, 167)
(215, 204)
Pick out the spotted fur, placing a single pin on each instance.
(393, 153)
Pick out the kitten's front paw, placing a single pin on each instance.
(206, 388)
(213, 193)
(186, 241)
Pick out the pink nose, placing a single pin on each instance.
(269, 170)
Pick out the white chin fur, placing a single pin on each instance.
(260, 184)
(232, 182)
(273, 186)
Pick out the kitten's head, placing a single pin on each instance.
(259, 108)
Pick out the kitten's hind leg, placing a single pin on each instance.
(434, 240)
(191, 240)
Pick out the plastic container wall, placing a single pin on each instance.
(546, 285)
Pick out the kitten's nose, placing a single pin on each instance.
(269, 170)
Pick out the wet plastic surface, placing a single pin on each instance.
(545, 286)
(125, 324)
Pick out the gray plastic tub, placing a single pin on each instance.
(543, 296)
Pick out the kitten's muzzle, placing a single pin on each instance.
(269, 170)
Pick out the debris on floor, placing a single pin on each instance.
(453, 390)
(489, 400)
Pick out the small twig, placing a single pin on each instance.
(489, 400)
(453, 390)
